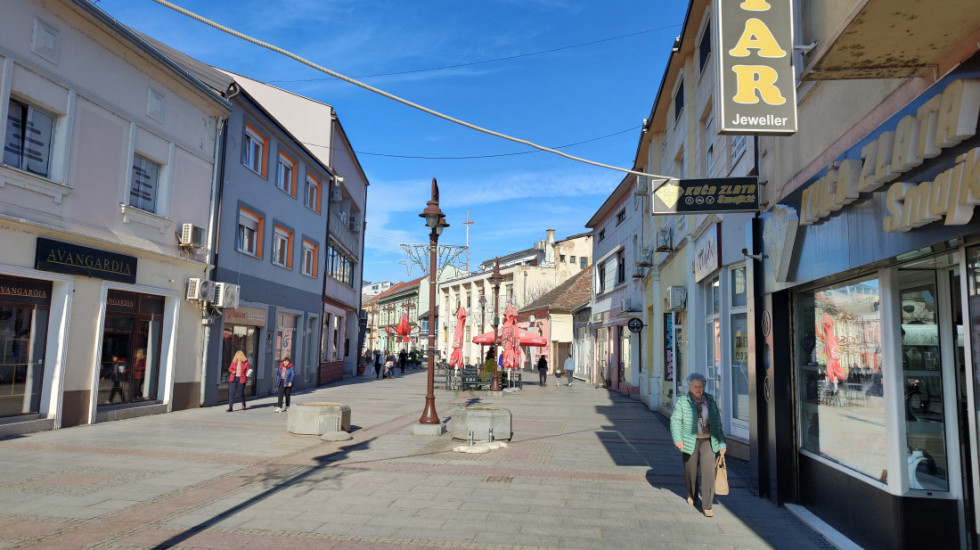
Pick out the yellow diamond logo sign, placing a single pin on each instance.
(669, 193)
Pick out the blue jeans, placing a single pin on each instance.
(568, 373)
(234, 389)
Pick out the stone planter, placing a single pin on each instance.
(479, 420)
(318, 418)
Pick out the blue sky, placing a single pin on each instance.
(569, 94)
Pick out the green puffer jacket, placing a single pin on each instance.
(684, 424)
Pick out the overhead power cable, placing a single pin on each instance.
(473, 157)
(393, 97)
(494, 60)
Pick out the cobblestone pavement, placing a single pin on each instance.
(587, 468)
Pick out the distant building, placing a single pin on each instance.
(373, 289)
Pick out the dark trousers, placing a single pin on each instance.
(401, 365)
(377, 370)
(117, 388)
(702, 456)
(234, 389)
(543, 376)
(284, 391)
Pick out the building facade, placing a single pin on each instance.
(102, 171)
(865, 376)
(617, 291)
(695, 285)
(528, 275)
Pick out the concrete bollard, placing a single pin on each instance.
(318, 418)
(467, 421)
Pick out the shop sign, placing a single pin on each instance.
(669, 346)
(245, 316)
(779, 234)
(25, 292)
(635, 325)
(80, 260)
(756, 82)
(707, 254)
(941, 121)
(706, 196)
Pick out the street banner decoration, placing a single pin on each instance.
(706, 196)
(403, 330)
(756, 83)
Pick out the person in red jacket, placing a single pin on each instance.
(237, 378)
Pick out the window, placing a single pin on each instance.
(680, 167)
(29, 133)
(839, 327)
(561, 258)
(311, 196)
(704, 48)
(620, 267)
(739, 329)
(253, 150)
(712, 338)
(678, 101)
(621, 216)
(146, 181)
(282, 247)
(309, 258)
(286, 174)
(339, 266)
(571, 259)
(738, 147)
(601, 279)
(583, 262)
(709, 147)
(250, 232)
(602, 235)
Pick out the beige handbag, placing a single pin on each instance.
(721, 476)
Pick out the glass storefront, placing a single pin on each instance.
(739, 328)
(842, 405)
(23, 336)
(242, 330)
(130, 366)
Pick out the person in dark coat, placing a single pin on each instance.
(377, 363)
(402, 360)
(543, 370)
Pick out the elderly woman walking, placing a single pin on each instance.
(695, 427)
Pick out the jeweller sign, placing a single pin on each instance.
(756, 82)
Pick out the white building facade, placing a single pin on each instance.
(101, 171)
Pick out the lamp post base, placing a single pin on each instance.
(428, 429)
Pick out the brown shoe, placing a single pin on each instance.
(708, 513)
(690, 501)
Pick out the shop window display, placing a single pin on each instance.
(22, 341)
(838, 352)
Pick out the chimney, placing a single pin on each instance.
(550, 247)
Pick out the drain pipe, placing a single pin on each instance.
(214, 222)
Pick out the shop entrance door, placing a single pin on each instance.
(129, 371)
(934, 377)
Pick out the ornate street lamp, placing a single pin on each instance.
(483, 303)
(495, 279)
(436, 222)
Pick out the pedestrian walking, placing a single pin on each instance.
(237, 378)
(377, 364)
(115, 375)
(569, 368)
(543, 370)
(284, 381)
(389, 371)
(695, 427)
(402, 360)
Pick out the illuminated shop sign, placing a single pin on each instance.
(756, 83)
(80, 260)
(942, 121)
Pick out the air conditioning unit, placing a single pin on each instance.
(665, 239)
(191, 236)
(200, 289)
(625, 304)
(643, 186)
(352, 224)
(676, 298)
(226, 295)
(646, 258)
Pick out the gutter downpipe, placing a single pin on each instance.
(214, 220)
(326, 242)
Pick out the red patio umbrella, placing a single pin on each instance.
(525, 339)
